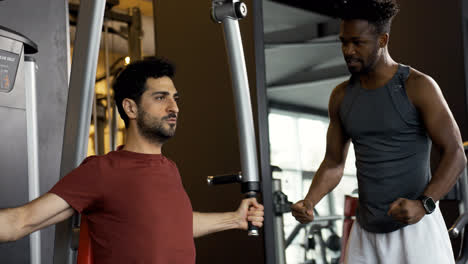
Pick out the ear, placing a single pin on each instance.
(383, 40)
(130, 108)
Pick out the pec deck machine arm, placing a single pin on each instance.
(228, 13)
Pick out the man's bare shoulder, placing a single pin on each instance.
(337, 96)
(418, 80)
(420, 87)
(340, 90)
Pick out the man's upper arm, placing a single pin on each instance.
(337, 139)
(426, 95)
(43, 210)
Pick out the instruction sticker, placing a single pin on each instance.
(8, 67)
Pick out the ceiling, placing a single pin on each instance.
(302, 54)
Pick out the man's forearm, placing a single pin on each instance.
(207, 223)
(52, 221)
(10, 220)
(446, 174)
(325, 180)
(48, 209)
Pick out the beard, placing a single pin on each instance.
(366, 67)
(153, 128)
(371, 62)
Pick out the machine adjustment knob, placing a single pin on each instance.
(240, 9)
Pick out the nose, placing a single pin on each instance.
(348, 49)
(172, 106)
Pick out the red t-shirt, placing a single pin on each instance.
(137, 208)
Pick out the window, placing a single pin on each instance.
(297, 146)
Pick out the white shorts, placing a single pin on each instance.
(426, 242)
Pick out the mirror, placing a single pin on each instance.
(303, 64)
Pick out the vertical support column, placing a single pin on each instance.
(270, 236)
(279, 229)
(109, 104)
(134, 35)
(33, 148)
(135, 51)
(155, 29)
(464, 27)
(78, 117)
(464, 179)
(101, 121)
(115, 126)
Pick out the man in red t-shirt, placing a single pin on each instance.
(137, 208)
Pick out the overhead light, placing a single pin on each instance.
(127, 60)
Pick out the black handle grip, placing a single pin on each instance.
(224, 179)
(252, 230)
(249, 188)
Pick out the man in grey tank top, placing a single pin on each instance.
(391, 113)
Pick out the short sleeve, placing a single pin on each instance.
(81, 188)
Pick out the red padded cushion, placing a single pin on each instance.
(85, 255)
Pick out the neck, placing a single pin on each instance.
(135, 142)
(383, 70)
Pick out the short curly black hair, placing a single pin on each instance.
(131, 81)
(379, 13)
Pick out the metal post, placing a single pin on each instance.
(155, 29)
(95, 123)
(33, 149)
(228, 13)
(101, 120)
(463, 183)
(115, 127)
(279, 229)
(134, 35)
(78, 117)
(108, 88)
(464, 180)
(269, 235)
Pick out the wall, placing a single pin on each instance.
(428, 36)
(206, 142)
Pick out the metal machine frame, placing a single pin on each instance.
(78, 117)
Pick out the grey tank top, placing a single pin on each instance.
(391, 145)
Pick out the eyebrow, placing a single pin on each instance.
(163, 93)
(352, 38)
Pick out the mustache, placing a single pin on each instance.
(171, 115)
(350, 59)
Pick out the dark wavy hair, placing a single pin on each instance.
(379, 13)
(131, 81)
